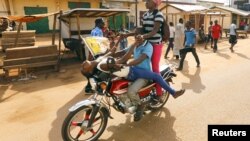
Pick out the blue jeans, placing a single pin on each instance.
(136, 72)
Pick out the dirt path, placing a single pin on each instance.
(217, 93)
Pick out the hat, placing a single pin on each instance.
(157, 2)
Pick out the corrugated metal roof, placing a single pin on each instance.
(233, 10)
(189, 8)
(93, 12)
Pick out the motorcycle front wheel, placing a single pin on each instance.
(75, 125)
(165, 96)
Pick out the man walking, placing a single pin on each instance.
(216, 33)
(233, 36)
(171, 39)
(209, 36)
(189, 41)
(178, 38)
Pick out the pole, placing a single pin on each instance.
(136, 15)
(54, 30)
(78, 26)
(17, 34)
(59, 40)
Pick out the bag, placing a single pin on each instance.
(164, 28)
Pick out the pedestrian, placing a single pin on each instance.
(246, 27)
(233, 35)
(97, 31)
(13, 25)
(209, 36)
(242, 24)
(202, 35)
(216, 33)
(124, 41)
(189, 43)
(171, 39)
(178, 38)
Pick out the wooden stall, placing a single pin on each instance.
(28, 55)
(73, 19)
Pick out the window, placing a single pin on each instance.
(246, 6)
(73, 5)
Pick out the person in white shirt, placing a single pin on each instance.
(171, 39)
(246, 27)
(233, 36)
(179, 38)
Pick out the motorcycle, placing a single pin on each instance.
(88, 119)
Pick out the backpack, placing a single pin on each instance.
(164, 28)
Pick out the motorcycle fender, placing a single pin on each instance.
(86, 102)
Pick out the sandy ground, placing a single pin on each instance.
(217, 93)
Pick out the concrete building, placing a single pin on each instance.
(233, 14)
(141, 8)
(187, 12)
(239, 4)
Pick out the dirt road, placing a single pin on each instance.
(217, 93)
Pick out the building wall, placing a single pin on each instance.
(227, 19)
(4, 8)
(174, 17)
(18, 6)
(52, 6)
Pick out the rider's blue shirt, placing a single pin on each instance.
(97, 32)
(145, 48)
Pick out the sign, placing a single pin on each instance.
(96, 45)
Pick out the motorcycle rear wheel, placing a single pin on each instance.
(75, 125)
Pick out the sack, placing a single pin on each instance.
(164, 28)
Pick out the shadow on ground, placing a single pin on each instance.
(195, 82)
(155, 126)
(69, 73)
(55, 132)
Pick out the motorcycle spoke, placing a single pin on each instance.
(79, 134)
(87, 115)
(96, 119)
(74, 123)
(92, 131)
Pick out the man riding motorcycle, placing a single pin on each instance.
(141, 63)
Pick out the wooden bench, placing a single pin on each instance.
(30, 57)
(25, 38)
(242, 32)
(239, 32)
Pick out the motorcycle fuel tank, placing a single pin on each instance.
(119, 87)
